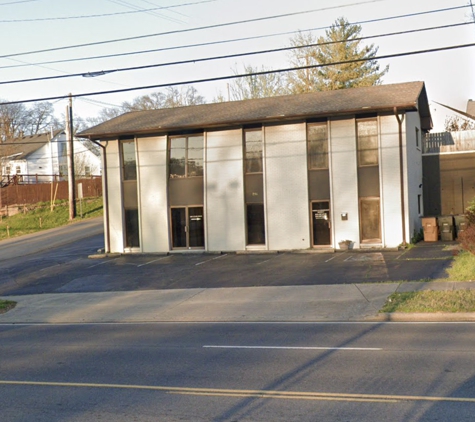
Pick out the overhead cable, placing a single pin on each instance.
(228, 77)
(199, 28)
(227, 56)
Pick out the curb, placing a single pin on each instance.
(423, 317)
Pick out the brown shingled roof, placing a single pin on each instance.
(407, 96)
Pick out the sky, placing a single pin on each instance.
(27, 26)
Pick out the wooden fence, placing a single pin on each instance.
(24, 194)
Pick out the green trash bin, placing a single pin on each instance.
(446, 227)
(460, 224)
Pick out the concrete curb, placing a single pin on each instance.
(424, 317)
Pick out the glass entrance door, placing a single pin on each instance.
(321, 225)
(187, 227)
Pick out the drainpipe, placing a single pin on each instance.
(401, 174)
(105, 195)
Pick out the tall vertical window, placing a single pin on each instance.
(368, 180)
(317, 137)
(254, 187)
(417, 138)
(186, 156)
(129, 190)
(367, 137)
(253, 151)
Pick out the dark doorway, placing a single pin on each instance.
(321, 224)
(187, 227)
(256, 232)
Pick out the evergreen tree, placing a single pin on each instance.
(341, 43)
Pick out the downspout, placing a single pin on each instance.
(105, 194)
(401, 175)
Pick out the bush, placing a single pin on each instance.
(467, 237)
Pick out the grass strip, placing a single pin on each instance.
(6, 305)
(463, 267)
(36, 217)
(462, 300)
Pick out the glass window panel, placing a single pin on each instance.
(367, 142)
(195, 156)
(179, 227)
(256, 234)
(132, 239)
(317, 146)
(128, 160)
(177, 157)
(253, 148)
(196, 225)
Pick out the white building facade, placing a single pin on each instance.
(287, 173)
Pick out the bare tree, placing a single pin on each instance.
(256, 86)
(456, 123)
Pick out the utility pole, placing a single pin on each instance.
(71, 180)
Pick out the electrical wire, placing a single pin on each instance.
(155, 50)
(227, 56)
(228, 77)
(199, 28)
(102, 15)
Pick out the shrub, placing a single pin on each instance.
(467, 237)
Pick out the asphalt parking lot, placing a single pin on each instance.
(69, 270)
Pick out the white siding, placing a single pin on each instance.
(414, 173)
(286, 187)
(224, 191)
(390, 181)
(114, 190)
(344, 180)
(152, 179)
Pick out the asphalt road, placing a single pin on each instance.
(238, 372)
(57, 262)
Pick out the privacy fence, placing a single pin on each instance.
(18, 194)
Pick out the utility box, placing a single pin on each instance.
(431, 232)
(446, 227)
(460, 224)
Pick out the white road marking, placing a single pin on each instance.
(328, 260)
(155, 260)
(295, 348)
(102, 263)
(212, 259)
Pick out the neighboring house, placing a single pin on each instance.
(43, 157)
(281, 173)
(449, 172)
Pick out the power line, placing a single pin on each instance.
(105, 56)
(228, 77)
(17, 2)
(227, 56)
(199, 28)
(102, 15)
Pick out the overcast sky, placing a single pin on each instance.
(31, 25)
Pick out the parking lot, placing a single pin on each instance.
(68, 269)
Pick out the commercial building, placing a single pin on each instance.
(282, 173)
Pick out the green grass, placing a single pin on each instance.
(6, 305)
(462, 300)
(37, 217)
(463, 267)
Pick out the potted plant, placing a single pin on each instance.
(344, 244)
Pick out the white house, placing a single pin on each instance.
(43, 156)
(282, 173)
